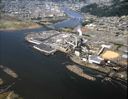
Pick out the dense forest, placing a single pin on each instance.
(116, 8)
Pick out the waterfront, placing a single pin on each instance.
(46, 76)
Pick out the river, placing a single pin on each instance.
(46, 77)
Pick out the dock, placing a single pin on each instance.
(31, 40)
(46, 49)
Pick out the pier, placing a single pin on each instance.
(45, 48)
(51, 41)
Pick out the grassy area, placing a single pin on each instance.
(17, 25)
(10, 23)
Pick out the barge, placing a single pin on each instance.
(80, 72)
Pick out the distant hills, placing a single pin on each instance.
(115, 8)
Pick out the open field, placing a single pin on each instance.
(10, 23)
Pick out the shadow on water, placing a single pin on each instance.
(118, 8)
(46, 77)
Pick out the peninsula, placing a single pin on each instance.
(93, 45)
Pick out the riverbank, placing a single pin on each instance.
(103, 69)
(11, 23)
(17, 25)
(65, 42)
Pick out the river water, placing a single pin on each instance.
(46, 77)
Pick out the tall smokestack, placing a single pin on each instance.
(78, 29)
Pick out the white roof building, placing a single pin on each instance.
(95, 59)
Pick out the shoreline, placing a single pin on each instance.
(55, 39)
(8, 23)
(14, 29)
(110, 73)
